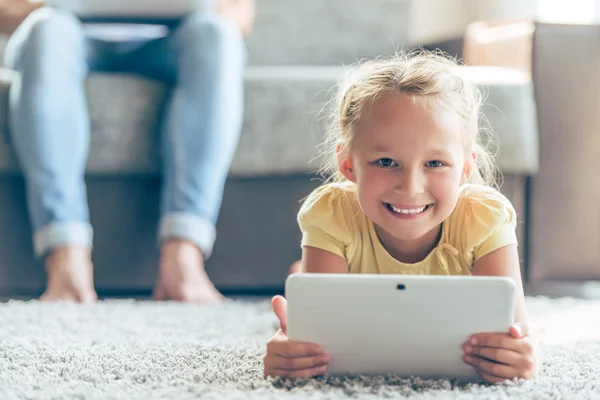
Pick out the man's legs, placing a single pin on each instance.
(202, 131)
(49, 129)
(204, 57)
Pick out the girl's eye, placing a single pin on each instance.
(386, 162)
(435, 164)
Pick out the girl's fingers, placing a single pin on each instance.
(287, 349)
(497, 354)
(489, 378)
(303, 373)
(503, 341)
(491, 368)
(279, 304)
(299, 363)
(519, 330)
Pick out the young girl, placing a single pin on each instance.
(410, 192)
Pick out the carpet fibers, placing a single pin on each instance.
(145, 350)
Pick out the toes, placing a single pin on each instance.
(188, 293)
(51, 296)
(159, 292)
(87, 297)
(45, 297)
(192, 294)
(83, 297)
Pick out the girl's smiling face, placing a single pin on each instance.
(408, 161)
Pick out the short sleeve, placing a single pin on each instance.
(324, 220)
(490, 221)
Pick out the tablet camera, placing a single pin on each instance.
(400, 286)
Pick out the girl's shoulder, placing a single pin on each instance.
(331, 206)
(337, 198)
(484, 202)
(483, 220)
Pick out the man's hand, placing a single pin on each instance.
(13, 12)
(503, 356)
(242, 12)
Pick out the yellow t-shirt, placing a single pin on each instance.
(484, 220)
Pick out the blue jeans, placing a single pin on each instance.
(203, 58)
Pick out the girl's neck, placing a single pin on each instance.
(409, 251)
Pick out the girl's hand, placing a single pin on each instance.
(503, 356)
(291, 359)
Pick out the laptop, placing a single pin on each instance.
(130, 10)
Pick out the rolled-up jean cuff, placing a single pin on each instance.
(61, 234)
(189, 227)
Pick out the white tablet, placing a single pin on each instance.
(405, 325)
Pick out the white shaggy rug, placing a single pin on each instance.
(146, 350)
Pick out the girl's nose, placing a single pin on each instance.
(410, 184)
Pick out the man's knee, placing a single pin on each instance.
(46, 31)
(204, 31)
(52, 26)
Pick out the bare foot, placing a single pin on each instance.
(70, 276)
(296, 268)
(181, 275)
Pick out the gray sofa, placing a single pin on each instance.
(294, 59)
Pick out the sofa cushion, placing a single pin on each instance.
(280, 131)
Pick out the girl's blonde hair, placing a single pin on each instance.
(432, 76)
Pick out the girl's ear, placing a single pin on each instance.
(345, 164)
(470, 164)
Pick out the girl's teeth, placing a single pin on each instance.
(408, 210)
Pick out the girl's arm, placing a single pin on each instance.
(293, 359)
(504, 355)
(316, 260)
(505, 262)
